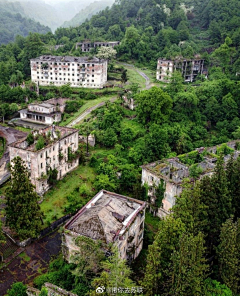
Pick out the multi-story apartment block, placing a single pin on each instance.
(171, 173)
(47, 112)
(110, 218)
(77, 71)
(58, 152)
(87, 45)
(189, 68)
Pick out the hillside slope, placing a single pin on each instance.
(87, 13)
(14, 24)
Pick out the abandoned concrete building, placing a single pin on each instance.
(110, 218)
(52, 290)
(171, 173)
(46, 112)
(87, 45)
(77, 71)
(59, 152)
(189, 68)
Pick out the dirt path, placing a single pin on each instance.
(31, 263)
(88, 111)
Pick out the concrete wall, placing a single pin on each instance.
(171, 191)
(165, 69)
(91, 139)
(135, 231)
(23, 115)
(38, 162)
(41, 109)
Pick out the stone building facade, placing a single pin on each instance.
(87, 45)
(59, 152)
(189, 68)
(172, 172)
(110, 218)
(46, 112)
(77, 71)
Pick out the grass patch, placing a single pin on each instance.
(25, 257)
(152, 222)
(55, 200)
(23, 129)
(135, 77)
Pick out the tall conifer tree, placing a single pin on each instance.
(229, 254)
(23, 211)
(233, 173)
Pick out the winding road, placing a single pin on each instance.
(87, 112)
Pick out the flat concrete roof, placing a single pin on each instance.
(67, 59)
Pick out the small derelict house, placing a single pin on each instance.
(59, 152)
(110, 218)
(87, 72)
(172, 173)
(189, 68)
(47, 112)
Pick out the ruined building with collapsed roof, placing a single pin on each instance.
(171, 173)
(77, 71)
(59, 151)
(189, 68)
(87, 45)
(47, 112)
(110, 218)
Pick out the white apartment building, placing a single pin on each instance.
(77, 71)
(59, 152)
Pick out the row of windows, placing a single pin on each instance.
(56, 69)
(64, 79)
(73, 64)
(77, 84)
(64, 74)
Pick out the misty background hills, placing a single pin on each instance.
(24, 16)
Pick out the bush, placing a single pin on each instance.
(195, 170)
(90, 96)
(17, 289)
(224, 149)
(109, 138)
(214, 288)
(30, 139)
(40, 143)
(82, 94)
(93, 162)
(72, 106)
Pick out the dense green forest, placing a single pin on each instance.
(150, 29)
(195, 251)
